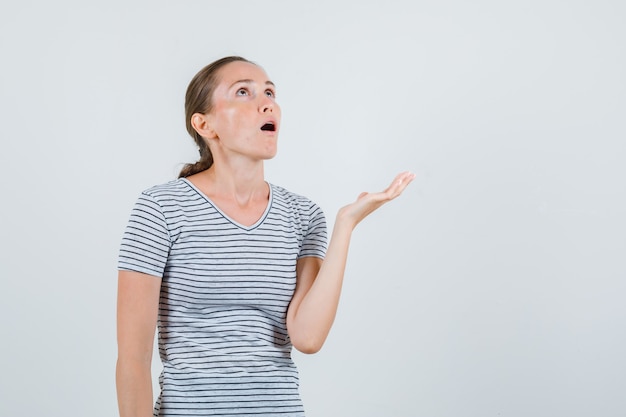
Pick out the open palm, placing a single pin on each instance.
(366, 203)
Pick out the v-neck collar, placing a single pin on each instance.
(226, 216)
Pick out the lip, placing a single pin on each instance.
(270, 121)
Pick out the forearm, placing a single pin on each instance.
(314, 304)
(134, 388)
(317, 310)
(137, 307)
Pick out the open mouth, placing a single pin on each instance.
(269, 127)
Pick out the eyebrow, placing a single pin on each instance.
(249, 81)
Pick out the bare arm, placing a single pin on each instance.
(137, 309)
(315, 300)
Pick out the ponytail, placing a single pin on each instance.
(205, 162)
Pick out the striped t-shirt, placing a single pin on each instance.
(224, 295)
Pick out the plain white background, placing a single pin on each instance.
(494, 287)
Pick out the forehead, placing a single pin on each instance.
(241, 70)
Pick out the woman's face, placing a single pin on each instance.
(245, 117)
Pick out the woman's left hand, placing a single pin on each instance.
(366, 203)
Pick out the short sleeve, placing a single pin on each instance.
(146, 241)
(315, 237)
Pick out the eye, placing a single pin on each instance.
(270, 93)
(242, 92)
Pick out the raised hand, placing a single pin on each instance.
(314, 303)
(366, 203)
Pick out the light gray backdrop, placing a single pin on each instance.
(494, 287)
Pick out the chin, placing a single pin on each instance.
(270, 155)
(269, 152)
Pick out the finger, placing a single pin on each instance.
(406, 177)
(397, 186)
(400, 182)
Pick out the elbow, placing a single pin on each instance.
(309, 350)
(307, 337)
(308, 346)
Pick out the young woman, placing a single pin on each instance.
(234, 270)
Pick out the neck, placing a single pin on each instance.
(240, 182)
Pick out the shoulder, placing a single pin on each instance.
(293, 204)
(284, 196)
(177, 190)
(171, 187)
(170, 199)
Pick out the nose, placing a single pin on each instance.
(267, 105)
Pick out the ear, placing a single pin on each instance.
(200, 123)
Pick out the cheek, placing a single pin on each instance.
(227, 118)
(229, 113)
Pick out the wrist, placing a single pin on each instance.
(344, 221)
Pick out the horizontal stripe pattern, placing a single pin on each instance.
(224, 295)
